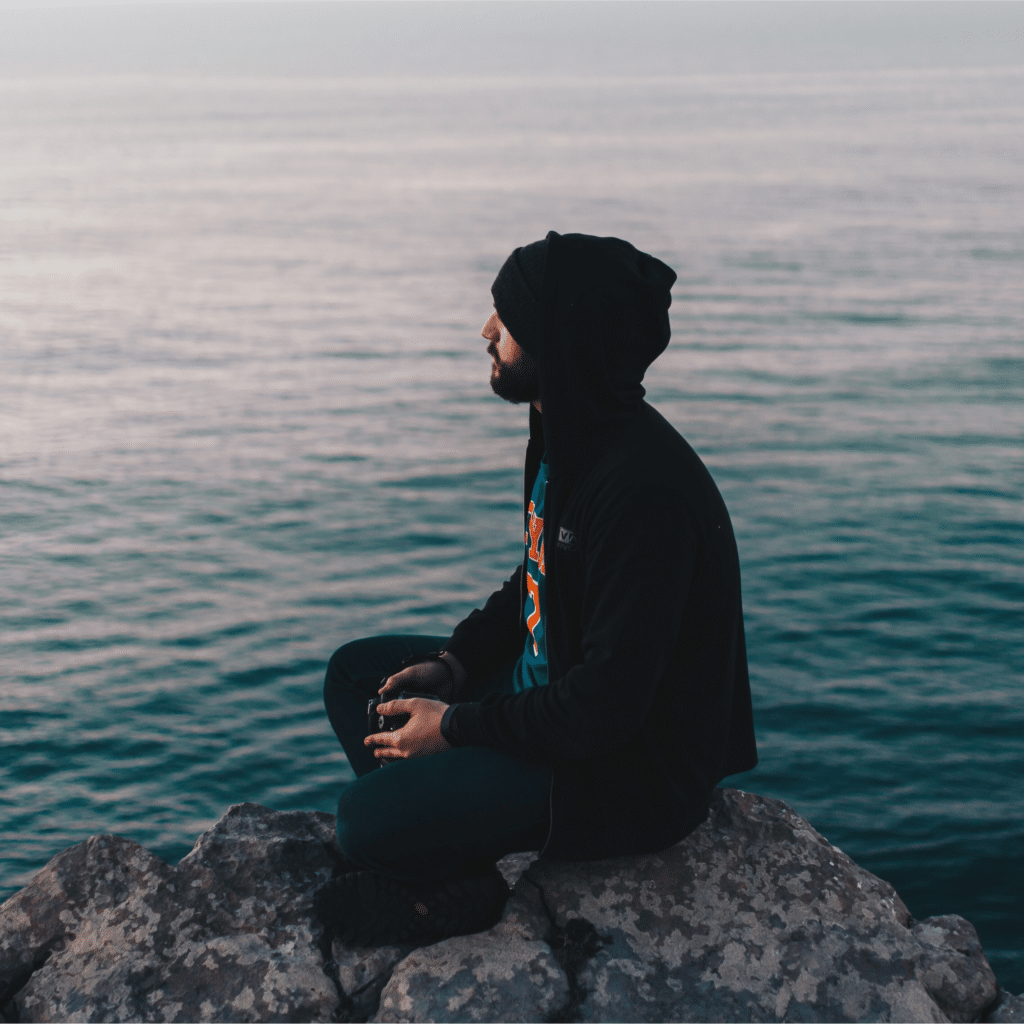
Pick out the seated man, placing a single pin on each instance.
(594, 703)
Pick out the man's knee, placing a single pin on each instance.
(342, 659)
(340, 667)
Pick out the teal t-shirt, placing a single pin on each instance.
(532, 667)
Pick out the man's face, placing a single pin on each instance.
(514, 374)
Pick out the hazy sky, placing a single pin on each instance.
(35, 4)
(466, 37)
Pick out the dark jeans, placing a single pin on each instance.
(435, 817)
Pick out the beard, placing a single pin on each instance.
(518, 381)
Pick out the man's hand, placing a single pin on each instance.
(420, 736)
(427, 675)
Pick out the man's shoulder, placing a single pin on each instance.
(651, 453)
(647, 459)
(651, 463)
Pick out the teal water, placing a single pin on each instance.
(246, 419)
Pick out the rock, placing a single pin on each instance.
(953, 968)
(109, 932)
(361, 972)
(1006, 1009)
(509, 973)
(753, 917)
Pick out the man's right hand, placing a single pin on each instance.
(429, 676)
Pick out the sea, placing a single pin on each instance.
(245, 418)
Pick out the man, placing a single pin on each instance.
(594, 703)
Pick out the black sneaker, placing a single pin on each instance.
(366, 908)
(342, 865)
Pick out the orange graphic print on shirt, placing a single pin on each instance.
(532, 668)
(535, 538)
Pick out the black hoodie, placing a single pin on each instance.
(648, 704)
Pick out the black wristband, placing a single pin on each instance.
(448, 728)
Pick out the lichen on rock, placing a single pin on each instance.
(755, 916)
(112, 933)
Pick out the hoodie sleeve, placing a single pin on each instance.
(491, 635)
(639, 560)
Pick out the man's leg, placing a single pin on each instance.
(444, 816)
(436, 817)
(426, 830)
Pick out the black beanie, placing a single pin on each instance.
(517, 294)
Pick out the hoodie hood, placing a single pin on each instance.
(604, 320)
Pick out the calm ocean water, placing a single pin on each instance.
(245, 418)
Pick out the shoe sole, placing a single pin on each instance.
(372, 909)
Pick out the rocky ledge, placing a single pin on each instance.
(754, 917)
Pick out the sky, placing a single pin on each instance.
(513, 37)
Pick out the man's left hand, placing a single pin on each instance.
(420, 736)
